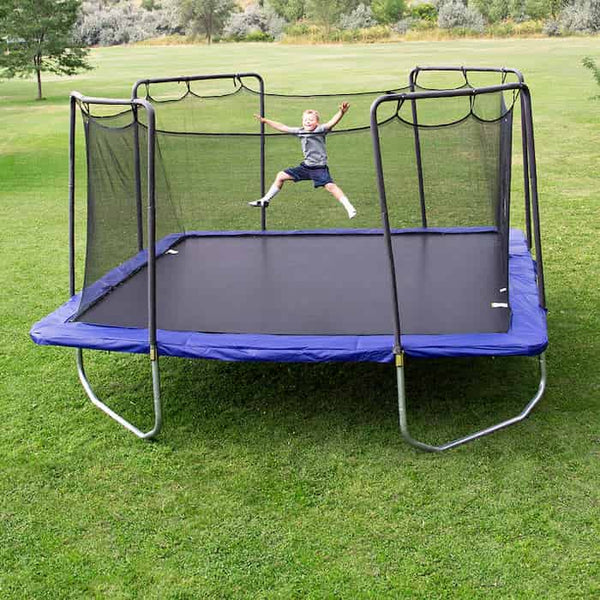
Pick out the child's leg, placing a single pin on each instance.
(275, 188)
(339, 195)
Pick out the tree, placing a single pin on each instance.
(290, 10)
(324, 12)
(37, 37)
(206, 17)
(492, 10)
(553, 7)
(388, 11)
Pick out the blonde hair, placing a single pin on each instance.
(310, 111)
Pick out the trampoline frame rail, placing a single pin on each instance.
(403, 412)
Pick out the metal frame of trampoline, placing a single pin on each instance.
(531, 210)
(135, 103)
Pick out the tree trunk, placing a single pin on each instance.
(38, 72)
(39, 84)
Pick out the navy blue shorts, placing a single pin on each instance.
(320, 176)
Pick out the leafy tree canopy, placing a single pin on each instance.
(206, 17)
(290, 10)
(388, 11)
(36, 37)
(324, 12)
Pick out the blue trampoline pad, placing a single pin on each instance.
(313, 297)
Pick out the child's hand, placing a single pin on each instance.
(259, 118)
(344, 106)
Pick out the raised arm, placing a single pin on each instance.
(344, 106)
(274, 124)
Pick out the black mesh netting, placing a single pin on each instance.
(208, 166)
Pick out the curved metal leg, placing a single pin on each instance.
(111, 413)
(468, 438)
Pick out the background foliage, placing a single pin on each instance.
(112, 22)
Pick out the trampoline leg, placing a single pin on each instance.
(111, 413)
(478, 434)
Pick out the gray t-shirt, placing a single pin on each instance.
(313, 145)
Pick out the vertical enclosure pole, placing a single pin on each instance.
(526, 178)
(386, 223)
(527, 109)
(137, 170)
(72, 115)
(413, 103)
(138, 179)
(151, 232)
(263, 210)
(152, 265)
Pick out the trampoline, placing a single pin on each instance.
(440, 288)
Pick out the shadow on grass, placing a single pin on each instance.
(256, 402)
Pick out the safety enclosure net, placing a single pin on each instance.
(446, 162)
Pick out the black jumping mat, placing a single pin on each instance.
(319, 284)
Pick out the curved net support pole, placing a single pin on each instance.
(114, 415)
(151, 249)
(473, 436)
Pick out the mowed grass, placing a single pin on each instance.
(292, 481)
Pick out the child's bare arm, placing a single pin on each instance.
(344, 106)
(274, 124)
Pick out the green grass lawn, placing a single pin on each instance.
(292, 481)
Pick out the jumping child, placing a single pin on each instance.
(314, 166)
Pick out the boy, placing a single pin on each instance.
(314, 167)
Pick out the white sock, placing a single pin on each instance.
(348, 206)
(273, 191)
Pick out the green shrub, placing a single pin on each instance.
(455, 15)
(298, 29)
(315, 34)
(403, 25)
(552, 28)
(581, 17)
(349, 35)
(359, 18)
(373, 34)
(290, 10)
(388, 11)
(254, 24)
(511, 28)
(501, 29)
(461, 32)
(258, 36)
(423, 25)
(122, 23)
(424, 12)
(530, 27)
